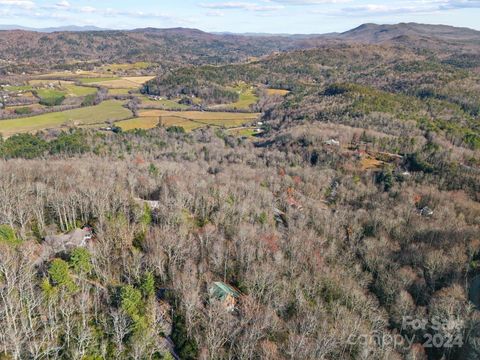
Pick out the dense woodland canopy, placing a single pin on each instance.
(324, 240)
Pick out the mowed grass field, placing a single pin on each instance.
(119, 91)
(189, 120)
(138, 123)
(118, 83)
(66, 88)
(247, 98)
(105, 112)
(92, 80)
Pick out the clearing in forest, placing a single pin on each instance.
(246, 99)
(279, 92)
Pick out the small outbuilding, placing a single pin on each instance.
(226, 294)
(426, 212)
(332, 142)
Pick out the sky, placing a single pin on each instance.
(239, 16)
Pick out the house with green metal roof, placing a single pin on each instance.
(225, 293)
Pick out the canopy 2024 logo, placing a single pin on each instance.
(437, 332)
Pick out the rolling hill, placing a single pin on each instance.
(182, 46)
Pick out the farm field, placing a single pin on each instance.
(46, 82)
(17, 88)
(247, 98)
(107, 111)
(118, 83)
(68, 74)
(189, 120)
(140, 80)
(32, 106)
(126, 67)
(75, 90)
(280, 92)
(119, 91)
(161, 104)
(66, 88)
(186, 124)
(138, 123)
(18, 109)
(97, 79)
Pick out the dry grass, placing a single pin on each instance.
(105, 112)
(277, 92)
(138, 123)
(140, 80)
(189, 120)
(118, 91)
(188, 125)
(202, 115)
(123, 83)
(369, 163)
(117, 84)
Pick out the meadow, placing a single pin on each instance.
(189, 120)
(247, 98)
(126, 67)
(118, 83)
(163, 104)
(277, 92)
(108, 111)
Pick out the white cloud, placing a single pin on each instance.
(310, 2)
(399, 8)
(64, 4)
(215, 13)
(25, 4)
(232, 5)
(88, 9)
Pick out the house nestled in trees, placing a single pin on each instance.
(226, 294)
(64, 242)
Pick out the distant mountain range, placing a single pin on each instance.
(72, 28)
(371, 33)
(68, 46)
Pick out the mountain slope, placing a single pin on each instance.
(170, 47)
(186, 47)
(433, 37)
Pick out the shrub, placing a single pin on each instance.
(69, 144)
(148, 285)
(336, 89)
(8, 236)
(52, 101)
(80, 260)
(89, 100)
(133, 305)
(23, 111)
(176, 130)
(60, 275)
(25, 146)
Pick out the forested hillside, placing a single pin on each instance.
(32, 51)
(349, 212)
